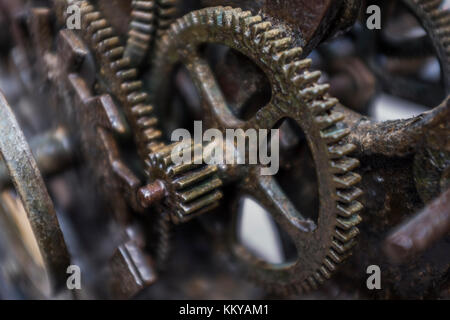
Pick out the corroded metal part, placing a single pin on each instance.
(320, 246)
(141, 271)
(32, 190)
(421, 231)
(399, 138)
(141, 30)
(188, 190)
(314, 21)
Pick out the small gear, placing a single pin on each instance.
(296, 94)
(189, 189)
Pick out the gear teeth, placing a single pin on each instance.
(335, 258)
(350, 195)
(347, 180)
(348, 210)
(339, 151)
(102, 35)
(280, 45)
(116, 67)
(290, 55)
(335, 135)
(325, 273)
(127, 75)
(347, 224)
(311, 282)
(265, 38)
(195, 187)
(314, 92)
(321, 106)
(435, 18)
(347, 236)
(318, 277)
(328, 120)
(344, 165)
(167, 11)
(188, 181)
(295, 68)
(342, 248)
(141, 30)
(329, 264)
(259, 28)
(307, 78)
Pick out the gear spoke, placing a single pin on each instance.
(268, 192)
(266, 117)
(211, 94)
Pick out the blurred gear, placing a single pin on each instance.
(149, 19)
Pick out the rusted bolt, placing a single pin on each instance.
(152, 193)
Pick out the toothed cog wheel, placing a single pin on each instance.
(149, 19)
(297, 95)
(185, 190)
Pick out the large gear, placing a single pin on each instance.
(296, 95)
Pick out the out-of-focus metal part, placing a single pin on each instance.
(100, 123)
(37, 203)
(118, 13)
(389, 65)
(421, 231)
(149, 20)
(353, 83)
(313, 21)
(53, 153)
(132, 269)
(435, 19)
(141, 30)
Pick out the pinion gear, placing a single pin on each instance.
(192, 187)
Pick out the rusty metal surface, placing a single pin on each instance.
(114, 92)
(422, 231)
